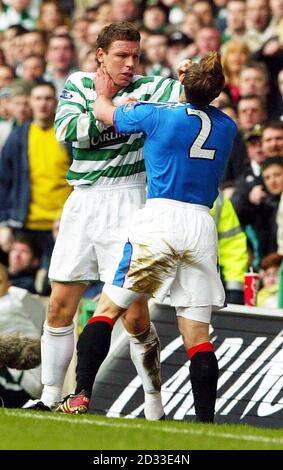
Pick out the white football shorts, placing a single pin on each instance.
(172, 248)
(93, 230)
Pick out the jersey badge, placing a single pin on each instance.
(66, 95)
(128, 106)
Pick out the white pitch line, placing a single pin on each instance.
(132, 425)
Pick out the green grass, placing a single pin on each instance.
(45, 431)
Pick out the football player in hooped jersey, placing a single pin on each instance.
(108, 176)
(172, 244)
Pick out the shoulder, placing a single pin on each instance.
(133, 107)
(149, 106)
(146, 78)
(154, 78)
(134, 111)
(75, 76)
(224, 118)
(81, 79)
(152, 81)
(19, 130)
(77, 85)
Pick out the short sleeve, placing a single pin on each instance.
(135, 117)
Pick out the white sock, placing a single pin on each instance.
(57, 347)
(145, 354)
(153, 408)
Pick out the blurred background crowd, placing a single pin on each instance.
(43, 41)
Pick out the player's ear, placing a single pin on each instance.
(100, 55)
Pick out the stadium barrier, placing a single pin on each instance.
(248, 343)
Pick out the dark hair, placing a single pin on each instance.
(274, 124)
(272, 161)
(119, 31)
(260, 67)
(259, 99)
(45, 83)
(251, 96)
(160, 6)
(62, 36)
(18, 28)
(204, 81)
(30, 242)
(37, 31)
(35, 56)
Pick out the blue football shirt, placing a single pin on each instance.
(186, 149)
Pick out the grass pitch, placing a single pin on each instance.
(21, 429)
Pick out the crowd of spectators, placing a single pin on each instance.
(43, 41)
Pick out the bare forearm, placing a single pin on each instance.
(104, 109)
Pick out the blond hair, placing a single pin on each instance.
(234, 45)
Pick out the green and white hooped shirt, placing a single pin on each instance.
(101, 156)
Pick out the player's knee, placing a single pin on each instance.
(58, 313)
(136, 318)
(107, 308)
(135, 325)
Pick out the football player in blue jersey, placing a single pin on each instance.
(172, 245)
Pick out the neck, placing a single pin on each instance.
(44, 123)
(234, 78)
(116, 89)
(59, 73)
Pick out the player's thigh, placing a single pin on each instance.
(146, 269)
(198, 284)
(74, 257)
(109, 251)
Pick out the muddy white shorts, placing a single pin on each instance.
(172, 247)
(93, 230)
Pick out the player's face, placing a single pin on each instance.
(43, 102)
(273, 179)
(20, 257)
(270, 276)
(120, 61)
(272, 142)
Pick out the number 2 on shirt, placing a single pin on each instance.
(197, 149)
